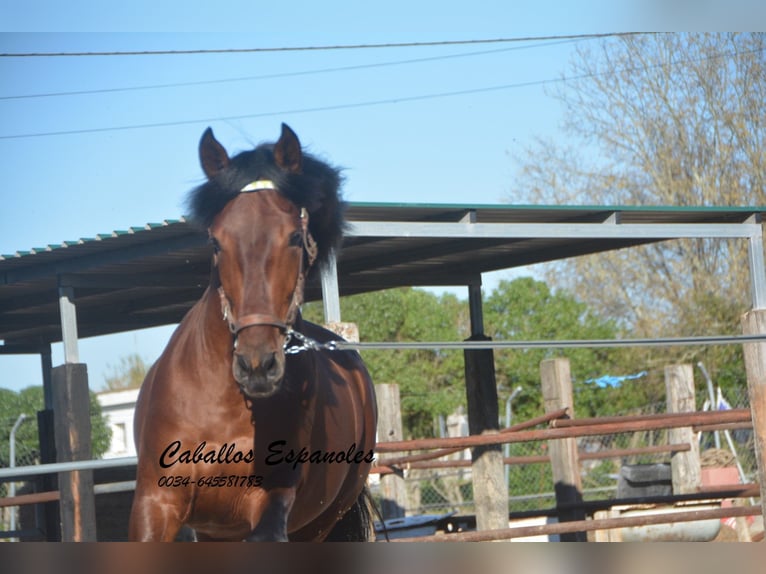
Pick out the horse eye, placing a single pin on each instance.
(296, 239)
(216, 246)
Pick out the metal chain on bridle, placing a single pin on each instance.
(306, 343)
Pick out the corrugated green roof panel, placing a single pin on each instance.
(133, 230)
(499, 213)
(170, 260)
(549, 207)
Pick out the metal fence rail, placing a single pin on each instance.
(22, 472)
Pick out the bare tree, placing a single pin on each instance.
(665, 119)
(128, 375)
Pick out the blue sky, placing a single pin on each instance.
(417, 124)
(439, 148)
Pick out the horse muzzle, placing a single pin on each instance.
(260, 375)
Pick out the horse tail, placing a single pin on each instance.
(357, 524)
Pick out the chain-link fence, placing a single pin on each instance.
(530, 484)
(21, 453)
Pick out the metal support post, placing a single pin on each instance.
(47, 514)
(490, 493)
(330, 290)
(68, 324)
(757, 266)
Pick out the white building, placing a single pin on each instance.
(118, 408)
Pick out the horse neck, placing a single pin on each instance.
(207, 329)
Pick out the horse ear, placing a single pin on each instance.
(287, 151)
(212, 155)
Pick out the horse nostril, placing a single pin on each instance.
(269, 362)
(258, 369)
(243, 364)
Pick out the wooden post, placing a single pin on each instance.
(392, 487)
(565, 465)
(71, 415)
(685, 466)
(754, 323)
(490, 492)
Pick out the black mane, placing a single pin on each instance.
(316, 187)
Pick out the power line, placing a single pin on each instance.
(335, 107)
(316, 48)
(353, 105)
(282, 74)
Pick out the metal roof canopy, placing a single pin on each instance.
(149, 276)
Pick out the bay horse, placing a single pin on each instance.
(242, 433)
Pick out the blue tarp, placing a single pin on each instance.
(615, 381)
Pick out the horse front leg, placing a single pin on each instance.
(272, 521)
(154, 518)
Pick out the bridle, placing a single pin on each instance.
(237, 324)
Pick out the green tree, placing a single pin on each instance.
(527, 309)
(28, 401)
(433, 382)
(430, 382)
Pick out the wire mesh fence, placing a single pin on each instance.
(530, 484)
(20, 453)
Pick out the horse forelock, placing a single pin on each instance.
(317, 188)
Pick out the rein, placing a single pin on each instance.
(236, 325)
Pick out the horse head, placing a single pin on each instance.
(258, 208)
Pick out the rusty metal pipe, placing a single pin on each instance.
(588, 525)
(626, 424)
